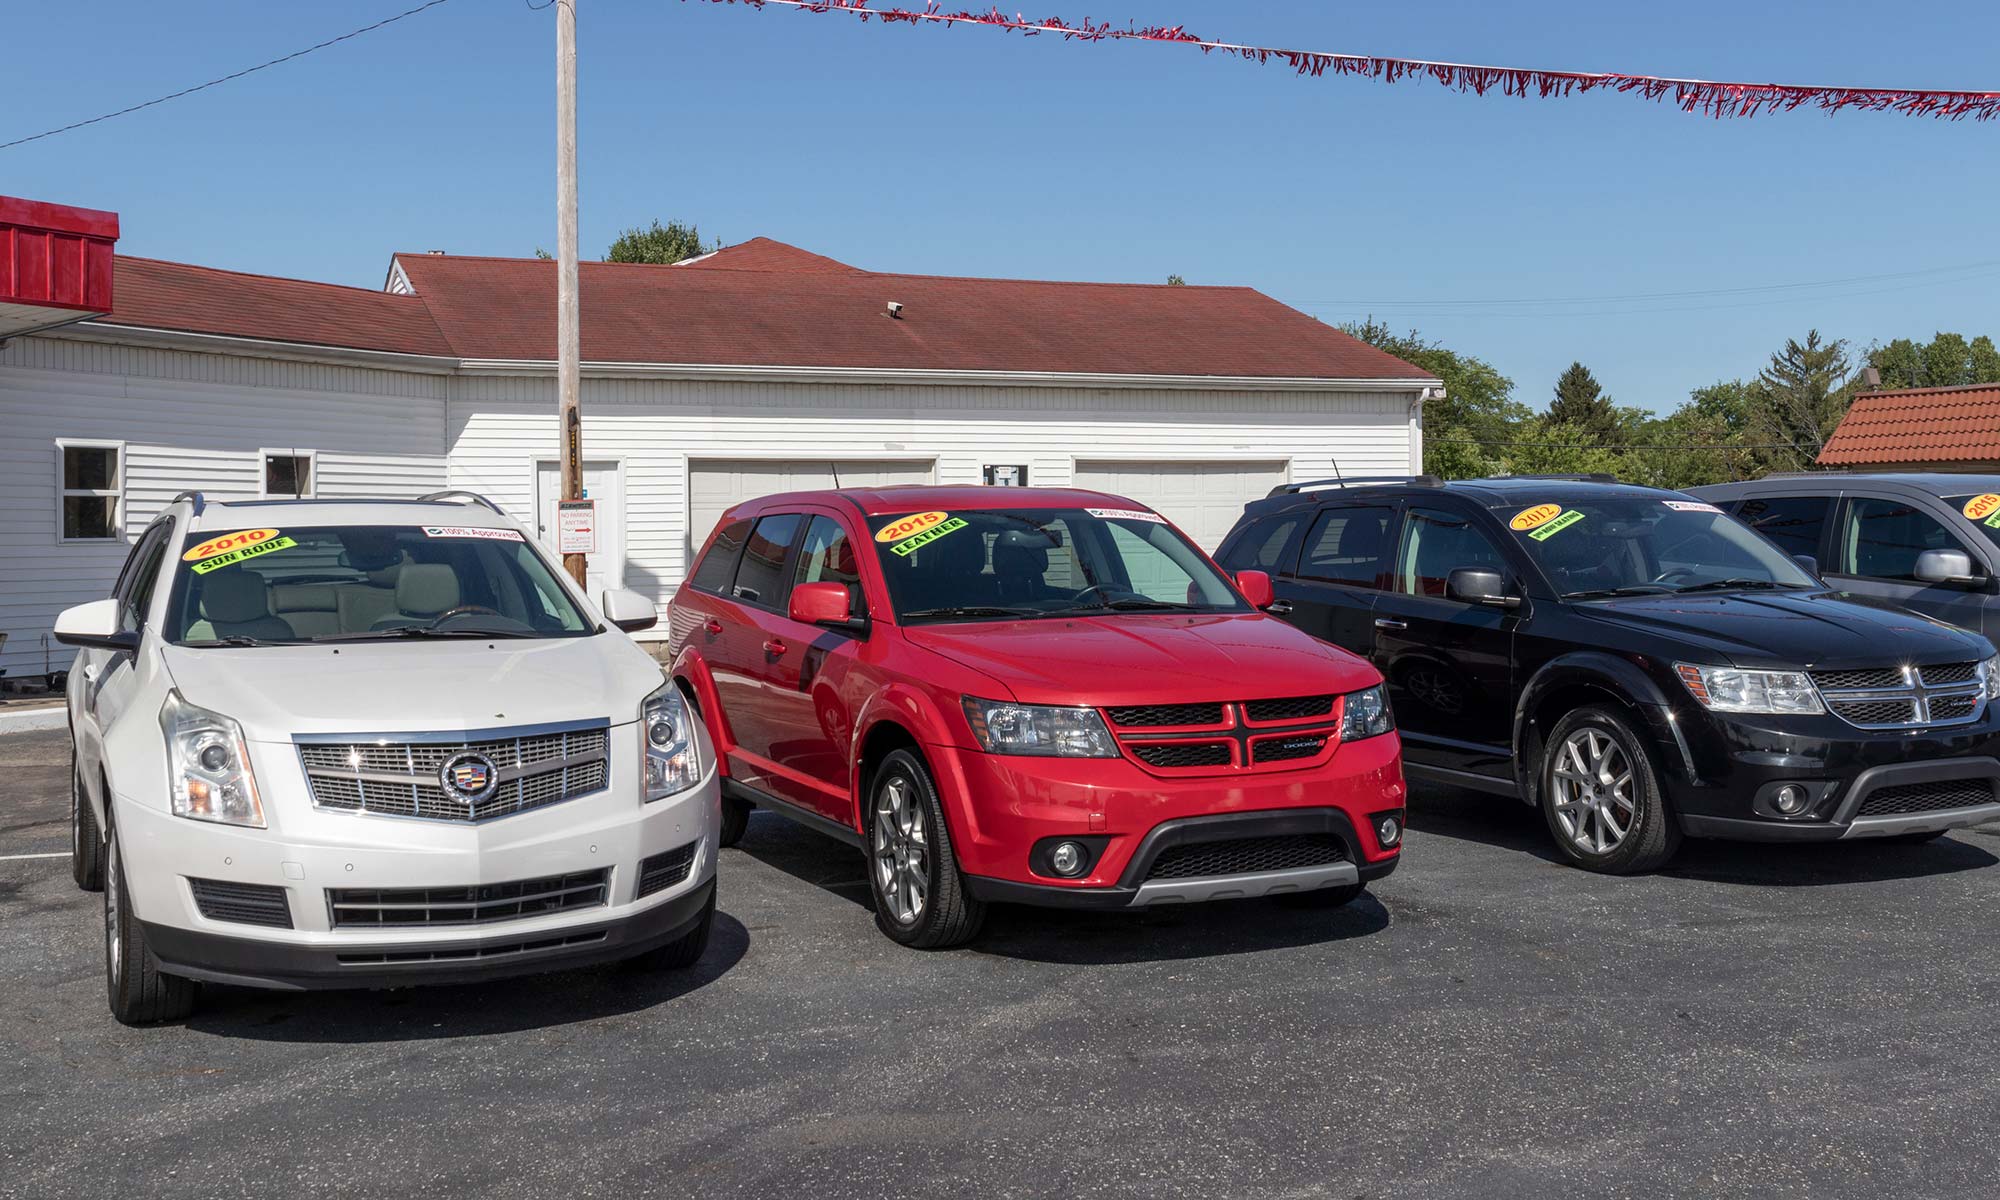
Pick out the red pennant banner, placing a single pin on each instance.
(1704, 96)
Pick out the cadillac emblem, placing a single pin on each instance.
(469, 778)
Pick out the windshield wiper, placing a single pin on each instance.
(1717, 585)
(1630, 589)
(424, 631)
(236, 639)
(968, 611)
(1135, 604)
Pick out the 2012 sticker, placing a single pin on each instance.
(1552, 528)
(1125, 514)
(1981, 507)
(1690, 506)
(224, 543)
(909, 546)
(1532, 518)
(473, 531)
(915, 523)
(231, 557)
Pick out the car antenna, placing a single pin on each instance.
(835, 468)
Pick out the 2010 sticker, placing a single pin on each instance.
(909, 546)
(1531, 518)
(915, 523)
(1552, 528)
(1981, 507)
(1125, 514)
(227, 542)
(1690, 506)
(232, 557)
(473, 531)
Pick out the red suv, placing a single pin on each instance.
(1036, 696)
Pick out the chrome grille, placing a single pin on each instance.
(1283, 734)
(479, 904)
(1904, 697)
(398, 776)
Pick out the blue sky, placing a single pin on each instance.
(971, 152)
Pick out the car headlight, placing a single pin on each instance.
(1003, 727)
(208, 766)
(1731, 689)
(1365, 714)
(670, 753)
(1991, 670)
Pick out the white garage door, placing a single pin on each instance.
(1204, 499)
(716, 484)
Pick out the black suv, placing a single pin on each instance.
(1635, 662)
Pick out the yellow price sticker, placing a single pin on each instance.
(1981, 507)
(915, 523)
(233, 557)
(227, 542)
(1530, 518)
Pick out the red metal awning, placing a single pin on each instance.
(55, 264)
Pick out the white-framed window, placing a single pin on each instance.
(288, 474)
(90, 491)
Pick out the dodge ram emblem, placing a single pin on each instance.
(469, 778)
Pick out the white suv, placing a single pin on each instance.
(373, 744)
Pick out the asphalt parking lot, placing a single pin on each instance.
(1754, 1022)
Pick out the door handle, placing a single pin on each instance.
(775, 648)
(1390, 623)
(712, 625)
(1279, 608)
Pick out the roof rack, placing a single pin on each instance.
(462, 496)
(1313, 485)
(1595, 477)
(194, 498)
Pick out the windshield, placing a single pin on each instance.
(365, 582)
(999, 564)
(1594, 547)
(1983, 511)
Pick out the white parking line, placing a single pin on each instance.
(19, 857)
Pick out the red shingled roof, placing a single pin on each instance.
(1921, 425)
(167, 295)
(766, 304)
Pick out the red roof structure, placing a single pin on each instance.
(55, 264)
(1950, 426)
(764, 254)
(167, 295)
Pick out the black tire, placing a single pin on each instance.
(1323, 898)
(947, 914)
(86, 844)
(1652, 834)
(685, 950)
(140, 993)
(735, 820)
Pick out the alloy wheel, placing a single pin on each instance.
(902, 850)
(1593, 791)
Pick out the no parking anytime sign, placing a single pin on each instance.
(576, 527)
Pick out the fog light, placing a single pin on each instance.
(1790, 800)
(1068, 859)
(1389, 831)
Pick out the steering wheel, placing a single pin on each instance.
(1095, 587)
(461, 610)
(1676, 573)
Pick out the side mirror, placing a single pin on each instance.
(1810, 564)
(1256, 588)
(95, 626)
(1478, 585)
(1946, 566)
(825, 604)
(628, 610)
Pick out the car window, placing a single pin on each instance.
(135, 594)
(760, 577)
(1262, 546)
(1794, 522)
(717, 567)
(1881, 539)
(827, 556)
(1347, 545)
(1149, 572)
(1437, 542)
(1983, 510)
(1605, 545)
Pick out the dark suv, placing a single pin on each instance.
(1635, 662)
(1928, 542)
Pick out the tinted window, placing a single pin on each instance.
(1262, 546)
(1610, 545)
(718, 566)
(1347, 545)
(760, 578)
(827, 556)
(1437, 542)
(1882, 539)
(142, 574)
(1794, 522)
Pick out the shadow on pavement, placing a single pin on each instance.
(473, 1010)
(1079, 938)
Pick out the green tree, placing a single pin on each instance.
(1176, 281)
(1947, 360)
(661, 245)
(1478, 404)
(1800, 398)
(1581, 403)
(1545, 446)
(1985, 360)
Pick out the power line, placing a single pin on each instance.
(224, 79)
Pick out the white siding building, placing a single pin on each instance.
(759, 369)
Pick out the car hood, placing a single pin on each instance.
(1795, 629)
(1146, 658)
(415, 686)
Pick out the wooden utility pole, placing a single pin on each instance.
(569, 359)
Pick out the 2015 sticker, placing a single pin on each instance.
(1556, 526)
(473, 531)
(1981, 507)
(902, 527)
(232, 557)
(1125, 514)
(1531, 518)
(909, 546)
(1690, 506)
(227, 542)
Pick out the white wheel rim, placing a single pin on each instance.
(1592, 786)
(901, 839)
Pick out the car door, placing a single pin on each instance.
(811, 714)
(1331, 593)
(1875, 546)
(107, 678)
(745, 658)
(1449, 664)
